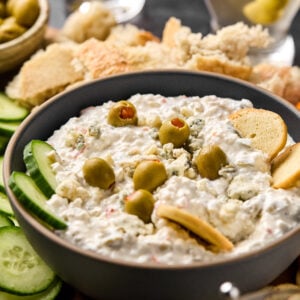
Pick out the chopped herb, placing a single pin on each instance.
(94, 131)
(80, 142)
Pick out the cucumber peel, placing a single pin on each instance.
(38, 165)
(2, 189)
(23, 272)
(5, 221)
(3, 143)
(28, 193)
(8, 128)
(49, 294)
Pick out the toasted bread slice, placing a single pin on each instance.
(286, 168)
(198, 226)
(130, 35)
(101, 59)
(95, 20)
(266, 129)
(46, 74)
(172, 26)
(219, 64)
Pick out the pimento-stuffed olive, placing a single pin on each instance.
(175, 131)
(122, 113)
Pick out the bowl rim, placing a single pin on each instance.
(42, 20)
(51, 235)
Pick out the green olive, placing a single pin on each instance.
(122, 113)
(25, 11)
(149, 174)
(2, 10)
(9, 6)
(210, 160)
(10, 30)
(97, 172)
(140, 203)
(175, 131)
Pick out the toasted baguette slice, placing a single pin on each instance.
(286, 168)
(266, 129)
(198, 226)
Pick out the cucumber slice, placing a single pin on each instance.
(38, 165)
(49, 294)
(3, 143)
(33, 199)
(8, 128)
(2, 189)
(5, 206)
(23, 272)
(15, 222)
(10, 110)
(5, 221)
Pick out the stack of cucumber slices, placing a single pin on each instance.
(11, 115)
(37, 185)
(24, 275)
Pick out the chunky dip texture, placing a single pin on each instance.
(240, 203)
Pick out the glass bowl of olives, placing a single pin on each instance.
(22, 28)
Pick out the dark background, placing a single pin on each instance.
(192, 13)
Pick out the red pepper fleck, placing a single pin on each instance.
(177, 122)
(126, 113)
(109, 211)
(154, 259)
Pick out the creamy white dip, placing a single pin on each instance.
(241, 204)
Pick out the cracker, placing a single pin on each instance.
(286, 168)
(198, 226)
(266, 129)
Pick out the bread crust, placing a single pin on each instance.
(286, 168)
(280, 80)
(130, 36)
(217, 65)
(101, 59)
(266, 129)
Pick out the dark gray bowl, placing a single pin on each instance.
(103, 278)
